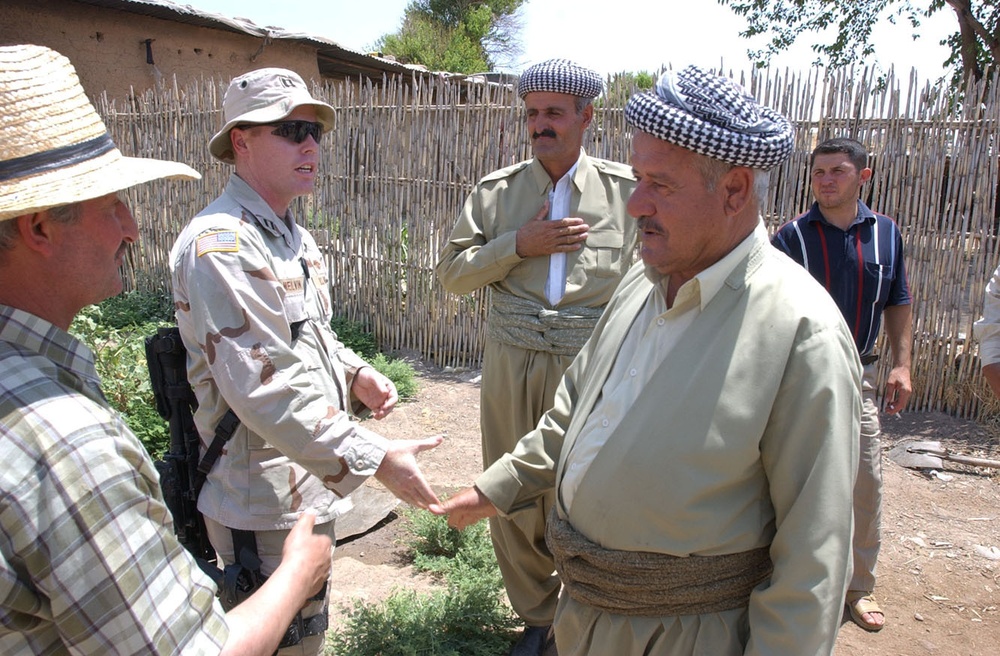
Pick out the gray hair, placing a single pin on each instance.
(60, 214)
(712, 170)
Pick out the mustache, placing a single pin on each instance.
(544, 133)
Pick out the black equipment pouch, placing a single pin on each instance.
(242, 578)
(181, 472)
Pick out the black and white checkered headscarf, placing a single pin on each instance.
(714, 116)
(560, 76)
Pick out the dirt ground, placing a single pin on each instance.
(939, 567)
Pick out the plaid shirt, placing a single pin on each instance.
(89, 563)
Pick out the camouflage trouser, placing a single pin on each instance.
(269, 546)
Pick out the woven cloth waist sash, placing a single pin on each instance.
(526, 324)
(642, 583)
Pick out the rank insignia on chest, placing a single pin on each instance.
(219, 241)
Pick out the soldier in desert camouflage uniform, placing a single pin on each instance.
(253, 307)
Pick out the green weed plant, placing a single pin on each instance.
(469, 616)
(120, 360)
(356, 337)
(136, 308)
(116, 329)
(400, 372)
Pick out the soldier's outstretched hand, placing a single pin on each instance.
(401, 475)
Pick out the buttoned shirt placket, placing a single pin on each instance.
(559, 197)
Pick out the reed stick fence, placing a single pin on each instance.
(405, 153)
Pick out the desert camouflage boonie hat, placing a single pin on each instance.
(265, 95)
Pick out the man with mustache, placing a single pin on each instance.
(89, 562)
(253, 307)
(699, 443)
(551, 239)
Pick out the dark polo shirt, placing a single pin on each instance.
(862, 267)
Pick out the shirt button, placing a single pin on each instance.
(605, 423)
(660, 321)
(632, 372)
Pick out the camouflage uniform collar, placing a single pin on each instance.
(262, 214)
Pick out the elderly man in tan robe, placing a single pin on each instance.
(697, 442)
(551, 238)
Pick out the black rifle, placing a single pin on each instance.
(181, 472)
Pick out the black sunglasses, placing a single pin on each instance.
(296, 131)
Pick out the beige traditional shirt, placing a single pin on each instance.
(657, 330)
(482, 248)
(740, 439)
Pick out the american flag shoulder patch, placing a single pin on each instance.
(218, 241)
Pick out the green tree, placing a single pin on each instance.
(460, 36)
(621, 86)
(975, 45)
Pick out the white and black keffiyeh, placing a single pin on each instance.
(561, 76)
(713, 116)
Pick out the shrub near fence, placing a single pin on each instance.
(397, 167)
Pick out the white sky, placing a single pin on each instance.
(610, 36)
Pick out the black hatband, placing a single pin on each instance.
(22, 167)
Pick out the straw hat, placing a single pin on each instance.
(265, 95)
(54, 148)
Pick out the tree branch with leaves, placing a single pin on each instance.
(975, 44)
(459, 36)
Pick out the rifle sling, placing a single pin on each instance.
(223, 432)
(245, 578)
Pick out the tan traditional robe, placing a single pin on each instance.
(738, 441)
(518, 383)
